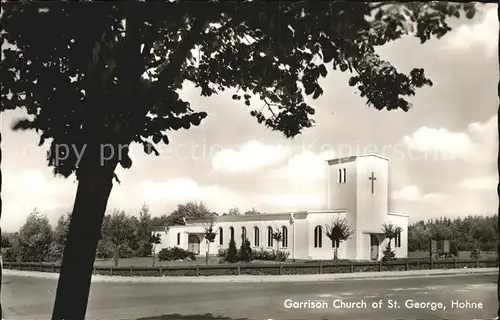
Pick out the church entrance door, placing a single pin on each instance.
(374, 245)
(194, 244)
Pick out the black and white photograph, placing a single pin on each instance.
(237, 160)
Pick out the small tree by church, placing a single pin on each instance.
(391, 232)
(245, 251)
(278, 237)
(232, 252)
(209, 236)
(339, 231)
(154, 239)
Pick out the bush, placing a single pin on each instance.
(232, 253)
(222, 253)
(175, 253)
(245, 254)
(388, 254)
(266, 255)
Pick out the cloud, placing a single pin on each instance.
(297, 200)
(25, 190)
(483, 183)
(304, 166)
(408, 193)
(181, 190)
(478, 143)
(249, 157)
(483, 34)
(415, 194)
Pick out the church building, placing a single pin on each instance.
(357, 189)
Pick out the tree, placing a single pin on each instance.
(60, 235)
(278, 237)
(189, 210)
(339, 231)
(209, 236)
(118, 233)
(143, 233)
(245, 253)
(252, 211)
(390, 231)
(232, 252)
(35, 237)
(96, 90)
(235, 211)
(154, 240)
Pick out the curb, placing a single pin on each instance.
(387, 275)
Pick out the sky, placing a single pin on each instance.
(443, 151)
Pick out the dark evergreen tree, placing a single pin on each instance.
(245, 254)
(232, 252)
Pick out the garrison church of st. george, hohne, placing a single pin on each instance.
(357, 190)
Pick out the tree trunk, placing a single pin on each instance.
(154, 255)
(335, 253)
(95, 181)
(208, 252)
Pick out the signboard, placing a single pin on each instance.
(446, 246)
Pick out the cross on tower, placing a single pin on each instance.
(372, 178)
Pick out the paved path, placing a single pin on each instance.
(32, 298)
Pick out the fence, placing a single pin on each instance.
(269, 269)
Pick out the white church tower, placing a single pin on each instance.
(359, 184)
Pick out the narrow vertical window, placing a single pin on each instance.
(231, 232)
(178, 238)
(318, 237)
(344, 175)
(256, 236)
(221, 236)
(339, 176)
(243, 234)
(284, 235)
(269, 236)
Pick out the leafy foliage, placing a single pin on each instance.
(232, 252)
(118, 83)
(245, 252)
(145, 239)
(388, 254)
(189, 210)
(35, 237)
(175, 253)
(339, 231)
(464, 234)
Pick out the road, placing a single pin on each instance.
(32, 298)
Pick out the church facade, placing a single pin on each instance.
(357, 189)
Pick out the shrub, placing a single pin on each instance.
(245, 254)
(388, 254)
(270, 255)
(232, 253)
(222, 253)
(175, 253)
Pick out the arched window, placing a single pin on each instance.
(269, 236)
(339, 176)
(243, 234)
(318, 237)
(256, 236)
(344, 175)
(231, 232)
(221, 236)
(178, 238)
(284, 235)
(397, 240)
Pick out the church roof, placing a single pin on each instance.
(353, 158)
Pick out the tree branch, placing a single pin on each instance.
(168, 74)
